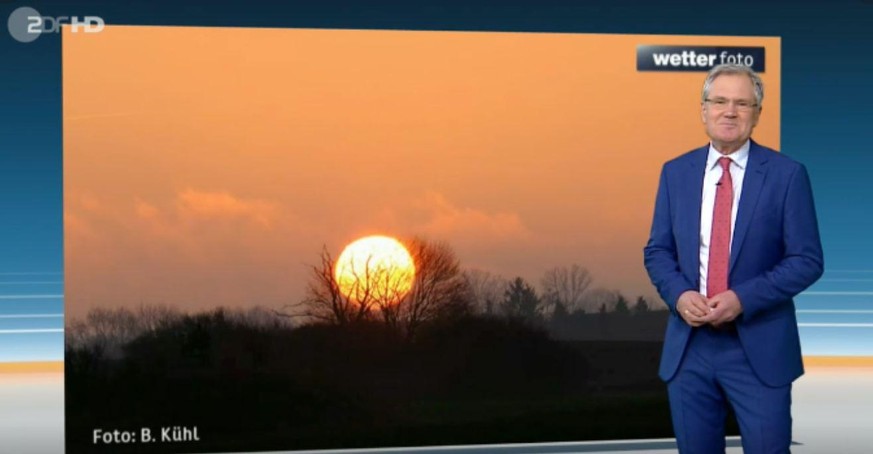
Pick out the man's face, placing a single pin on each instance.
(730, 115)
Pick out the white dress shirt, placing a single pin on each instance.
(711, 176)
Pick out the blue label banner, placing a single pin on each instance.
(697, 58)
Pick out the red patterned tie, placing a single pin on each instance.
(720, 240)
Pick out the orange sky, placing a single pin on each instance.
(207, 166)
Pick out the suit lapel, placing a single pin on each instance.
(692, 192)
(753, 181)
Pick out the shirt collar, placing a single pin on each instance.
(739, 157)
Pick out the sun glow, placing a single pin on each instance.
(375, 269)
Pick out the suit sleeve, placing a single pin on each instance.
(660, 255)
(802, 263)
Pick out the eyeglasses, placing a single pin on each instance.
(742, 105)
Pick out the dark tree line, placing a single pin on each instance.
(336, 371)
(316, 385)
(442, 290)
(439, 291)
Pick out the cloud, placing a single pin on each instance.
(442, 218)
(193, 247)
(145, 210)
(80, 209)
(222, 205)
(193, 223)
(434, 216)
(89, 202)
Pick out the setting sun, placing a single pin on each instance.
(375, 269)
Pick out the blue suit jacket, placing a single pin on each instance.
(776, 253)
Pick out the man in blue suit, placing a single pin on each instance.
(734, 238)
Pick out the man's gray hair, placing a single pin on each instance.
(721, 70)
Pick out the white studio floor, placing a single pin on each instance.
(833, 414)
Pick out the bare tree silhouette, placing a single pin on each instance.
(486, 290)
(600, 300)
(439, 290)
(324, 301)
(565, 286)
(105, 331)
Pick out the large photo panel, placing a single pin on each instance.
(370, 238)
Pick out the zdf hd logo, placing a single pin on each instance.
(26, 24)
